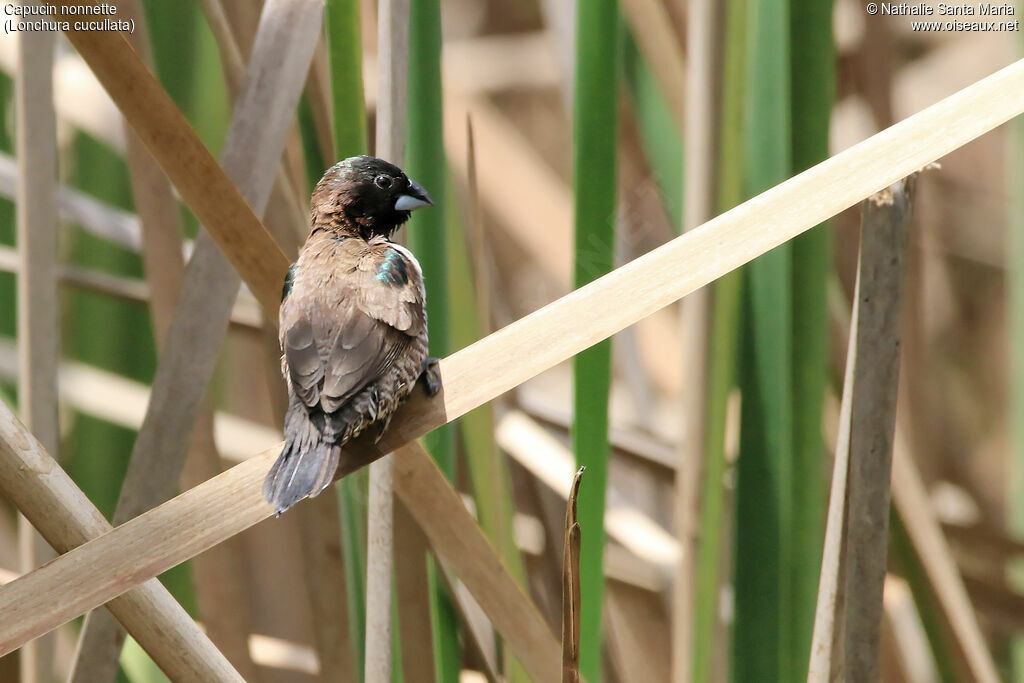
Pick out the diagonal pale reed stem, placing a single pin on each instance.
(209, 287)
(66, 519)
(201, 182)
(231, 502)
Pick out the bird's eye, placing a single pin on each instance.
(382, 181)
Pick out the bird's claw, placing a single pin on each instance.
(431, 376)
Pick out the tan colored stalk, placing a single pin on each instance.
(477, 627)
(231, 57)
(652, 28)
(220, 595)
(45, 494)
(202, 184)
(571, 586)
(122, 401)
(885, 226)
(245, 313)
(826, 643)
(38, 324)
(638, 642)
(413, 592)
(100, 219)
(392, 107)
(911, 500)
(700, 133)
(251, 156)
(461, 544)
(502, 152)
(324, 569)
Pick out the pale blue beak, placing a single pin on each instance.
(414, 198)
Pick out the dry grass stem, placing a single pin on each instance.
(826, 643)
(478, 627)
(245, 313)
(379, 566)
(121, 401)
(639, 645)
(552, 463)
(571, 586)
(652, 27)
(906, 633)
(700, 130)
(208, 290)
(915, 509)
(97, 218)
(44, 493)
(508, 154)
(885, 225)
(413, 592)
(459, 542)
(326, 587)
(205, 188)
(230, 55)
(392, 110)
(38, 308)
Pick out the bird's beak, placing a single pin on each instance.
(414, 198)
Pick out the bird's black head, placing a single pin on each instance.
(367, 196)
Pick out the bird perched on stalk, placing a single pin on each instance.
(353, 323)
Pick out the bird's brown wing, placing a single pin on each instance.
(335, 343)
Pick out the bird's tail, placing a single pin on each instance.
(306, 464)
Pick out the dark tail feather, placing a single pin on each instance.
(306, 465)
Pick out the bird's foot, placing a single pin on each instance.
(431, 376)
(380, 426)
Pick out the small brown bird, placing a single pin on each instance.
(353, 323)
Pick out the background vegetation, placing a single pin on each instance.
(573, 165)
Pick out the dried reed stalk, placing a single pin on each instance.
(204, 298)
(571, 586)
(95, 217)
(121, 401)
(885, 226)
(45, 494)
(326, 587)
(220, 593)
(911, 500)
(38, 310)
(412, 590)
(510, 155)
(480, 634)
(652, 28)
(231, 57)
(460, 543)
(202, 184)
(826, 643)
(702, 111)
(392, 109)
(638, 643)
(245, 313)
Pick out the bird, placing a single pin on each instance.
(353, 324)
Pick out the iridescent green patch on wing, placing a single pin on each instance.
(392, 270)
(289, 282)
